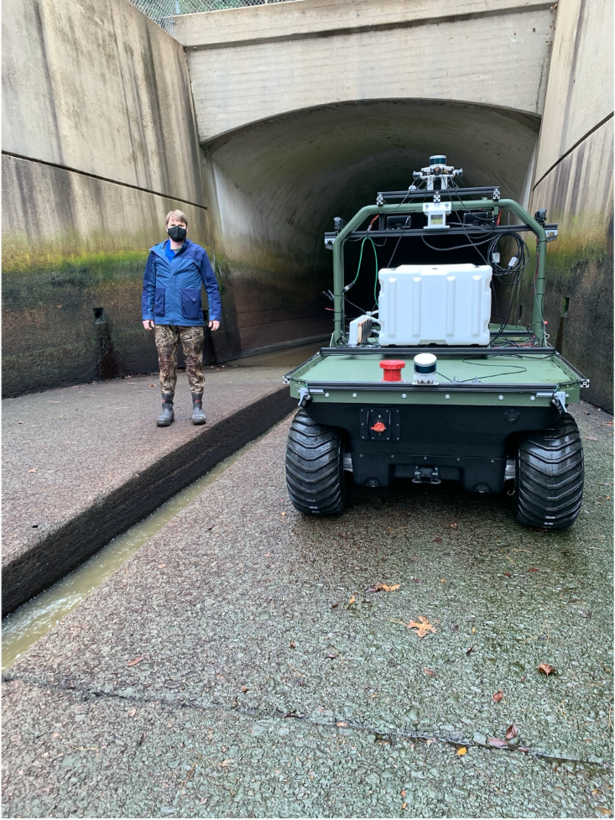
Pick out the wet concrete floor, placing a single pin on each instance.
(236, 666)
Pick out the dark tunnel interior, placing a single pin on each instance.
(301, 170)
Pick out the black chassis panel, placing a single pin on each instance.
(467, 443)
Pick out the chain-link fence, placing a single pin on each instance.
(163, 11)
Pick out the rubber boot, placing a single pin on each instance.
(167, 416)
(198, 416)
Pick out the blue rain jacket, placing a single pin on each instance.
(172, 287)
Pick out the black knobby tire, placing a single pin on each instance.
(315, 467)
(550, 476)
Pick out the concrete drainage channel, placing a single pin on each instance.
(76, 475)
(22, 628)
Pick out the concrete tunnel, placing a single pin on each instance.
(262, 124)
(301, 169)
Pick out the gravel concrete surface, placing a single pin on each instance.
(71, 457)
(236, 666)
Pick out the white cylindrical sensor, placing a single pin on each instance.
(425, 367)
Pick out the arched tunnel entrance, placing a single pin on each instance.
(279, 183)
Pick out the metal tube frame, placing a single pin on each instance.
(411, 207)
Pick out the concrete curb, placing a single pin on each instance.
(73, 542)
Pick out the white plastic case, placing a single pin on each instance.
(445, 304)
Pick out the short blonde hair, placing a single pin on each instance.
(179, 215)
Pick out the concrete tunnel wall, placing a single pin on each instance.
(573, 179)
(99, 144)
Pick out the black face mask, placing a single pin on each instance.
(177, 233)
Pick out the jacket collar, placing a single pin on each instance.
(160, 250)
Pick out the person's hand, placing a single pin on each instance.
(214, 325)
(148, 324)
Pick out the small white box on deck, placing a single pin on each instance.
(442, 304)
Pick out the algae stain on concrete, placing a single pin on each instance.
(51, 328)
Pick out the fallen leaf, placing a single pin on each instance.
(351, 601)
(603, 810)
(523, 749)
(337, 603)
(533, 569)
(470, 649)
(429, 671)
(244, 688)
(462, 750)
(403, 805)
(508, 574)
(511, 732)
(382, 588)
(454, 526)
(437, 540)
(132, 713)
(498, 696)
(473, 630)
(423, 627)
(136, 661)
(546, 668)
(403, 793)
(591, 438)
(495, 741)
(292, 645)
(33, 470)
(341, 724)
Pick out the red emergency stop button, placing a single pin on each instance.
(392, 370)
(378, 427)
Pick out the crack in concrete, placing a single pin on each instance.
(380, 736)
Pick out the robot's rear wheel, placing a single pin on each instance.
(315, 467)
(550, 476)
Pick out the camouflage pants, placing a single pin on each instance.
(168, 338)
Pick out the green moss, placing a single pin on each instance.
(48, 261)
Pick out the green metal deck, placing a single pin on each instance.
(483, 376)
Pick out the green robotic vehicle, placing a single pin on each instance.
(425, 385)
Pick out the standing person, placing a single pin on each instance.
(171, 303)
